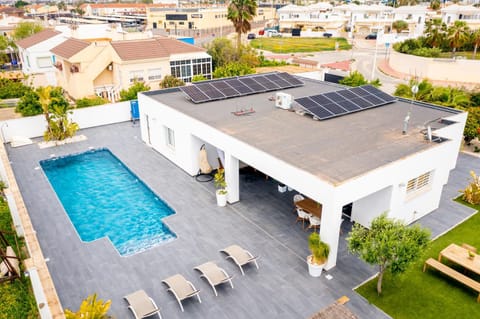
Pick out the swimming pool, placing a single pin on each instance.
(103, 198)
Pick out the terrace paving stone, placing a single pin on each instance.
(262, 222)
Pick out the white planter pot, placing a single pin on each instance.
(313, 269)
(282, 188)
(221, 199)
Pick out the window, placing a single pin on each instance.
(136, 76)
(170, 137)
(185, 69)
(154, 74)
(44, 62)
(419, 183)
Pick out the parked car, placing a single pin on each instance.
(261, 32)
(251, 36)
(327, 35)
(273, 33)
(371, 36)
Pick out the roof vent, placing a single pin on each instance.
(283, 100)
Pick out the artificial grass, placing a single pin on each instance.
(16, 298)
(429, 295)
(295, 44)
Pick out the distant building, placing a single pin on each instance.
(468, 14)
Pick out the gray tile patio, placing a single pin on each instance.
(262, 221)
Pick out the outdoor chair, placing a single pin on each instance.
(142, 305)
(314, 222)
(302, 216)
(240, 256)
(181, 288)
(214, 275)
(297, 198)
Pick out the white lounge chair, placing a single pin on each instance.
(240, 256)
(141, 305)
(214, 275)
(181, 288)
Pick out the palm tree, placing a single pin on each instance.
(45, 99)
(241, 13)
(475, 41)
(435, 32)
(458, 35)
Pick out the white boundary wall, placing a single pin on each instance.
(454, 70)
(34, 126)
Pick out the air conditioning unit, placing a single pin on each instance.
(283, 100)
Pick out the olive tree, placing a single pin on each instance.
(389, 244)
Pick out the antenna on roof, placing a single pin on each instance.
(405, 123)
(414, 90)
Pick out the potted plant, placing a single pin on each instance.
(320, 251)
(221, 185)
(471, 255)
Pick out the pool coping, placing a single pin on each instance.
(36, 259)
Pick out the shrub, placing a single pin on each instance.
(131, 93)
(471, 193)
(427, 52)
(198, 78)
(169, 81)
(10, 89)
(233, 69)
(86, 102)
(29, 104)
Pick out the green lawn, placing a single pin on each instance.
(293, 45)
(16, 299)
(415, 294)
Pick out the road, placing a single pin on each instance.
(363, 54)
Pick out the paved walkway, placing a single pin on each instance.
(263, 222)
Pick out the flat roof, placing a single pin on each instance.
(334, 150)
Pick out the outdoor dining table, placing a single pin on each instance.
(459, 255)
(310, 206)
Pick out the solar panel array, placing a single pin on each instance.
(337, 103)
(239, 86)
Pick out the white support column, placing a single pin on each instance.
(330, 228)
(232, 178)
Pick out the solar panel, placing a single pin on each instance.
(337, 103)
(194, 93)
(265, 82)
(334, 108)
(349, 106)
(210, 91)
(225, 88)
(290, 79)
(239, 86)
(254, 85)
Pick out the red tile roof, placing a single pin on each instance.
(69, 48)
(152, 48)
(37, 38)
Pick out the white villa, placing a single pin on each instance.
(362, 159)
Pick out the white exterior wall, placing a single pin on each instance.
(31, 55)
(375, 192)
(34, 126)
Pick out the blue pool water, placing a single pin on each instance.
(103, 197)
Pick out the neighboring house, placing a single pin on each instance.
(315, 17)
(106, 68)
(469, 14)
(415, 16)
(40, 9)
(365, 19)
(105, 9)
(36, 58)
(357, 166)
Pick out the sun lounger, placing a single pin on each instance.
(181, 288)
(240, 256)
(141, 305)
(214, 275)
